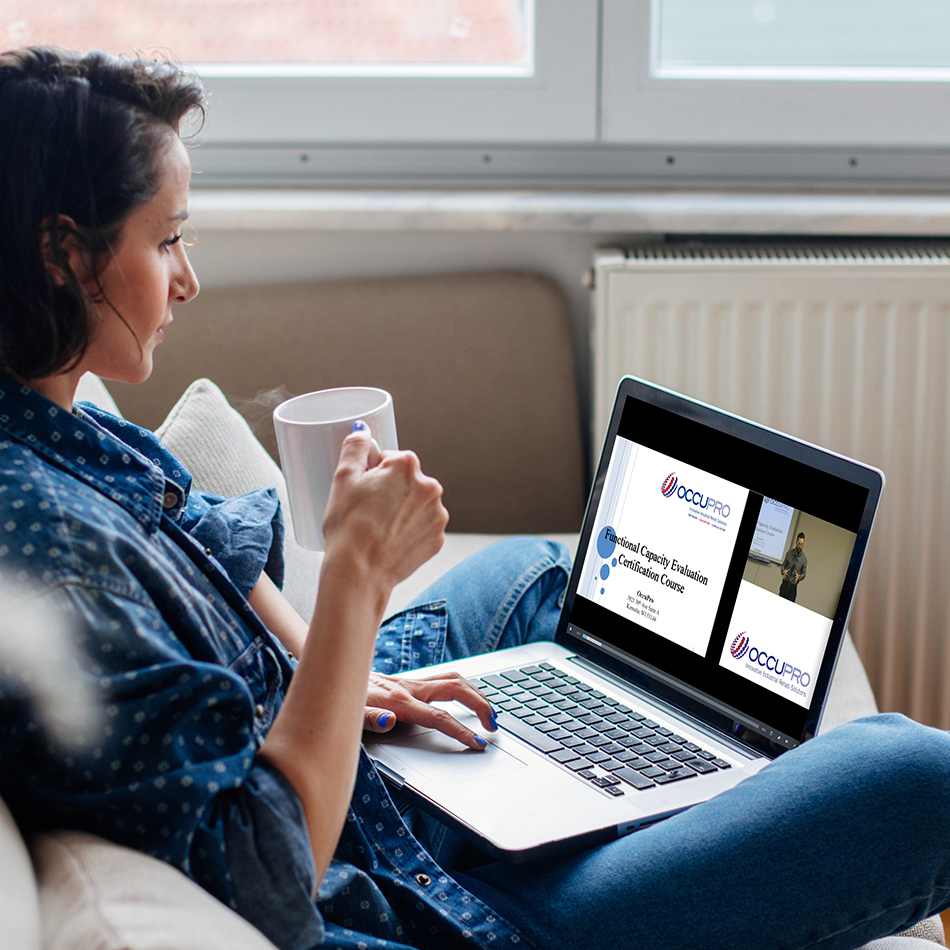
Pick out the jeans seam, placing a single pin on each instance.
(515, 595)
(911, 900)
(405, 650)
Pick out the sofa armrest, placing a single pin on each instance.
(97, 894)
(924, 938)
(19, 901)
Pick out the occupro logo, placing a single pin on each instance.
(740, 646)
(672, 487)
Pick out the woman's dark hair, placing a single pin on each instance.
(80, 137)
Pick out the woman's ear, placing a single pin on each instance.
(61, 233)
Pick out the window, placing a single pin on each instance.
(856, 40)
(549, 96)
(436, 71)
(543, 91)
(766, 73)
(290, 37)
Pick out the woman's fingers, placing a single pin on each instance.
(434, 717)
(356, 451)
(410, 699)
(362, 430)
(378, 720)
(445, 687)
(390, 516)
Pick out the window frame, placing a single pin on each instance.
(558, 103)
(593, 115)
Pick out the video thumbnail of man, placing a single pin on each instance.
(791, 584)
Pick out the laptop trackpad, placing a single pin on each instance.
(445, 762)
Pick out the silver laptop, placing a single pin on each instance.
(711, 589)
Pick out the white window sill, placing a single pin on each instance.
(591, 212)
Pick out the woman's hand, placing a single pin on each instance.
(387, 518)
(390, 700)
(382, 521)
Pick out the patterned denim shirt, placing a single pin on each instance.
(98, 517)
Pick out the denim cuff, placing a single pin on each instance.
(270, 861)
(411, 638)
(244, 534)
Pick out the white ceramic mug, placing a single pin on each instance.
(310, 432)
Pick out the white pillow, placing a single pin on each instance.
(96, 895)
(92, 389)
(217, 446)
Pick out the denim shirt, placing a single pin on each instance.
(100, 520)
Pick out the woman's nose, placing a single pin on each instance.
(186, 284)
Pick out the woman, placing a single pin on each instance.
(224, 756)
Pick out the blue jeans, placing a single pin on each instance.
(841, 841)
(502, 596)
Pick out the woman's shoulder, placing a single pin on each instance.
(28, 483)
(143, 441)
(55, 527)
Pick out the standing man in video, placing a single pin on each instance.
(793, 569)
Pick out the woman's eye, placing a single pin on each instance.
(171, 241)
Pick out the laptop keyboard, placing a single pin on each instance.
(591, 734)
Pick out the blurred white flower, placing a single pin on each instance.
(18, 31)
(38, 664)
(460, 28)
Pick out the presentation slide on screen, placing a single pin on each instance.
(784, 609)
(665, 535)
(776, 643)
(771, 532)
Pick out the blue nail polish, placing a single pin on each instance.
(494, 721)
(359, 426)
(482, 742)
(384, 720)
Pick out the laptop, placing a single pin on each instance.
(712, 585)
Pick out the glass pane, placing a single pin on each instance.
(802, 38)
(347, 32)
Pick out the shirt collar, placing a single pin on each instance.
(80, 445)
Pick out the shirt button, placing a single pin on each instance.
(423, 879)
(259, 711)
(170, 500)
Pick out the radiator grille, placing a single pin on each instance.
(848, 347)
(794, 252)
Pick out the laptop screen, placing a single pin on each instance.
(719, 558)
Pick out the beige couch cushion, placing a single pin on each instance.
(92, 389)
(19, 903)
(850, 696)
(480, 366)
(100, 896)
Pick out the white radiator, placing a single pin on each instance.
(848, 347)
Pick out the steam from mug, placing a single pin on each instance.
(310, 432)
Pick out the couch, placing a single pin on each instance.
(482, 372)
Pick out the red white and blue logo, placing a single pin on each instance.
(740, 646)
(672, 487)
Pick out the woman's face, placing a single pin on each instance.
(147, 272)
